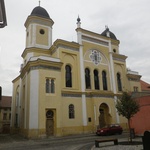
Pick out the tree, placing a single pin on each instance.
(127, 107)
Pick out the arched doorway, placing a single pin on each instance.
(49, 123)
(104, 116)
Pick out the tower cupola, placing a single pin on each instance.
(39, 29)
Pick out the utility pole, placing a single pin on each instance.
(3, 20)
(3, 23)
(0, 93)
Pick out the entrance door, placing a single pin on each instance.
(49, 127)
(104, 117)
(49, 123)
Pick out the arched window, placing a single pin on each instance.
(68, 76)
(119, 82)
(47, 86)
(71, 111)
(96, 79)
(17, 99)
(104, 79)
(87, 79)
(50, 86)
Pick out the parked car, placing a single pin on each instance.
(110, 129)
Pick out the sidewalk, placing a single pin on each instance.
(122, 143)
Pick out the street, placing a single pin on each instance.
(76, 142)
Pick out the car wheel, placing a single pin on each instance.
(107, 133)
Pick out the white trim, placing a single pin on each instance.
(34, 99)
(97, 65)
(117, 115)
(101, 39)
(45, 58)
(113, 80)
(25, 102)
(82, 70)
(84, 111)
(29, 55)
(79, 36)
(94, 43)
(20, 103)
(32, 36)
(112, 76)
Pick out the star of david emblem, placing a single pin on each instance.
(95, 57)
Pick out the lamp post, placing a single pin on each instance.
(0, 93)
(3, 20)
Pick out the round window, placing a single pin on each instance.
(49, 114)
(42, 31)
(114, 50)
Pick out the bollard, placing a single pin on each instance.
(146, 140)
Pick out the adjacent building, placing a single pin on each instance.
(66, 87)
(141, 121)
(5, 114)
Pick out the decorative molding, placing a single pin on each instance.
(69, 47)
(71, 95)
(94, 40)
(88, 95)
(99, 95)
(133, 79)
(119, 59)
(45, 67)
(95, 57)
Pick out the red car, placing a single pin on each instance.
(110, 129)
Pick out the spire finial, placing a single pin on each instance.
(78, 19)
(78, 22)
(106, 27)
(39, 2)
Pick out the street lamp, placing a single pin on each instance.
(0, 93)
(3, 20)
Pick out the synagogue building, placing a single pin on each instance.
(67, 87)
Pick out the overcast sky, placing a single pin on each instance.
(129, 20)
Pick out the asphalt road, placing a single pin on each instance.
(76, 142)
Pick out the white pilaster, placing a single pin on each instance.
(20, 102)
(33, 35)
(113, 83)
(25, 103)
(34, 99)
(84, 110)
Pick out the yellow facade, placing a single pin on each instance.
(67, 87)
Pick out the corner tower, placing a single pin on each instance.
(39, 29)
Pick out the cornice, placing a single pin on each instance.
(64, 44)
(90, 94)
(97, 35)
(35, 50)
(38, 20)
(40, 64)
(17, 78)
(119, 57)
(133, 77)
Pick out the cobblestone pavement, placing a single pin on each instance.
(79, 142)
(123, 145)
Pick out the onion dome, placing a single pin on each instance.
(40, 12)
(108, 33)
